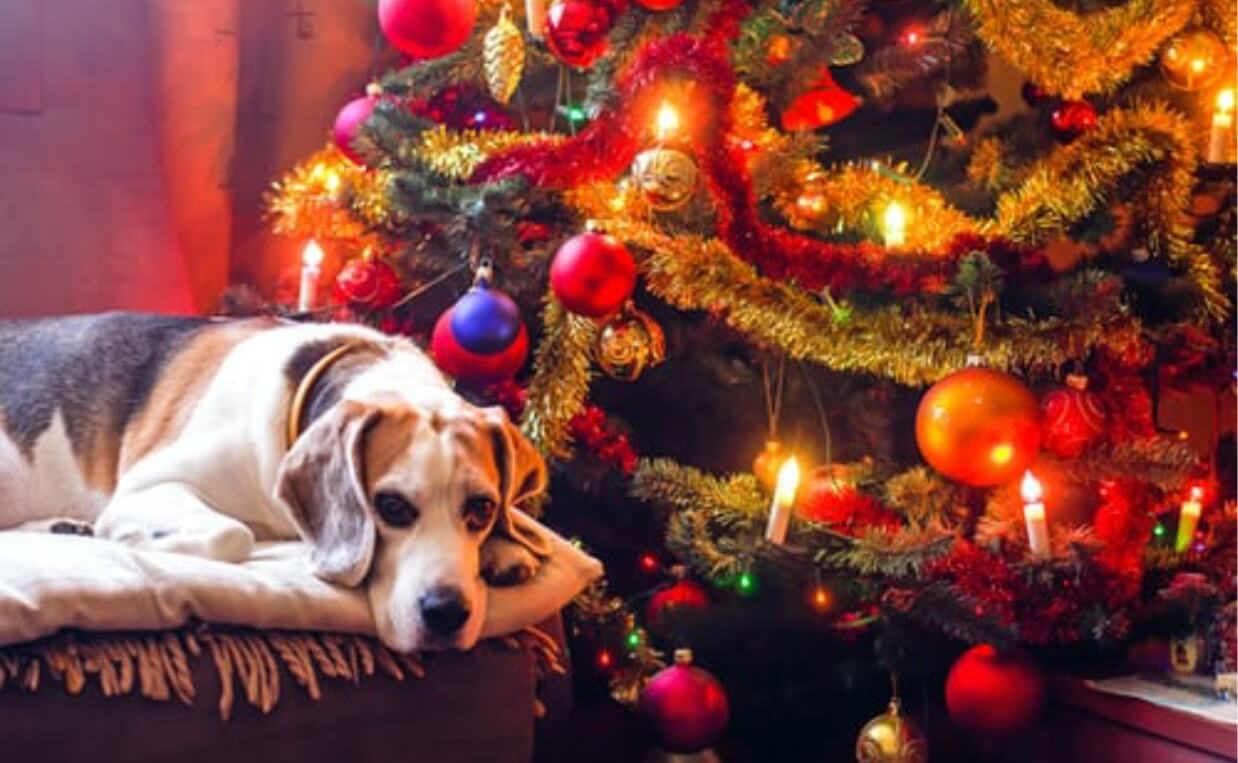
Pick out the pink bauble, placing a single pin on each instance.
(474, 369)
(427, 28)
(348, 124)
(592, 274)
(685, 706)
(576, 30)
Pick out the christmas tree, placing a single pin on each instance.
(842, 324)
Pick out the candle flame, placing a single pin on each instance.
(1225, 101)
(1030, 488)
(311, 255)
(1197, 493)
(788, 482)
(668, 121)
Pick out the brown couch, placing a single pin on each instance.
(469, 707)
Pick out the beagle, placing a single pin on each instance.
(201, 436)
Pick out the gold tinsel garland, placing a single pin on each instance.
(560, 380)
(1071, 54)
(909, 344)
(330, 199)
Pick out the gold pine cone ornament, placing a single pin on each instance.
(503, 56)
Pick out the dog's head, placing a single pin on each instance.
(402, 498)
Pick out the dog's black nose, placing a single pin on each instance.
(443, 610)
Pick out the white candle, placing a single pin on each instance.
(894, 225)
(1188, 519)
(1034, 515)
(784, 500)
(535, 15)
(311, 269)
(1222, 127)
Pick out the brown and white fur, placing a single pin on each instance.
(171, 434)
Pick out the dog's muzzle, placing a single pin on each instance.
(444, 611)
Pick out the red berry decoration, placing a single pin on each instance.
(685, 706)
(427, 28)
(592, 274)
(576, 30)
(992, 692)
(348, 125)
(979, 426)
(370, 283)
(1074, 418)
(1073, 118)
(683, 595)
(475, 369)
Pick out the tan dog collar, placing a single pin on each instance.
(297, 405)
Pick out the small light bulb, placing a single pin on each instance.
(1030, 488)
(311, 255)
(895, 224)
(1225, 101)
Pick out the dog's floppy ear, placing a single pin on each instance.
(322, 483)
(522, 475)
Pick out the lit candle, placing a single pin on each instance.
(1222, 127)
(535, 15)
(1188, 520)
(894, 225)
(784, 499)
(667, 122)
(311, 269)
(1034, 515)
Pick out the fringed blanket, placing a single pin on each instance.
(248, 662)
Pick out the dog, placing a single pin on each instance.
(201, 436)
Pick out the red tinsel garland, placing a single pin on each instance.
(590, 428)
(608, 145)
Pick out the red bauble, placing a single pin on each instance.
(992, 692)
(1073, 118)
(474, 369)
(576, 30)
(979, 426)
(348, 124)
(683, 595)
(592, 274)
(659, 5)
(822, 104)
(367, 283)
(1073, 418)
(685, 706)
(427, 28)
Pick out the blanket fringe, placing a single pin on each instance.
(246, 661)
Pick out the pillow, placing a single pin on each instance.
(49, 582)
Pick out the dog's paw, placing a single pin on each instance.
(505, 562)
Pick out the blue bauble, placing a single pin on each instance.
(485, 320)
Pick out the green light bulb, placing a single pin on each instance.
(633, 639)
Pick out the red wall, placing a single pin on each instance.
(137, 137)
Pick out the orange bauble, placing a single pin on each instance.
(979, 426)
(767, 463)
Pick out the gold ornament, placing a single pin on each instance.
(1194, 59)
(767, 463)
(503, 55)
(665, 177)
(891, 738)
(628, 344)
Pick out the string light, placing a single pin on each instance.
(822, 599)
(649, 563)
(604, 659)
(746, 583)
(633, 640)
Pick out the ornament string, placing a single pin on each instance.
(821, 415)
(773, 391)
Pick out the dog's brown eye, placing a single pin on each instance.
(394, 509)
(478, 512)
